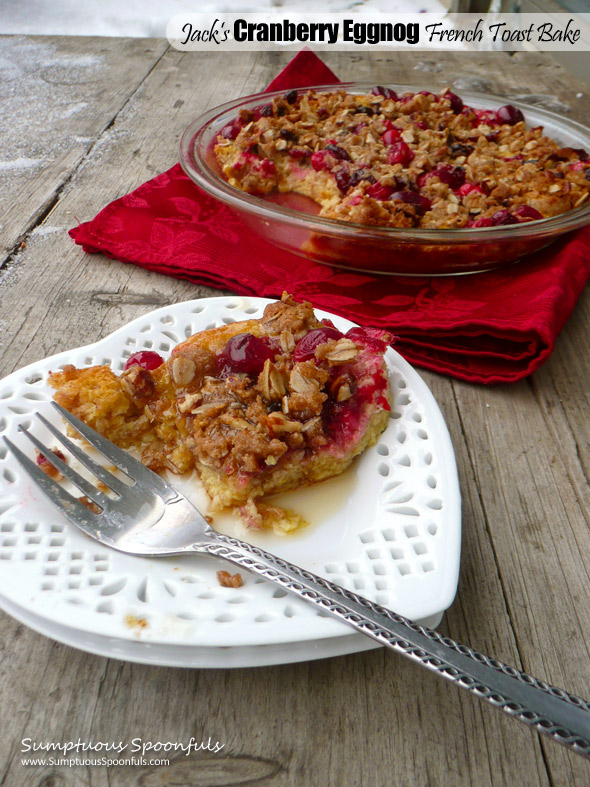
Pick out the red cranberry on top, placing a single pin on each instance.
(400, 153)
(380, 191)
(421, 204)
(387, 92)
(484, 221)
(337, 151)
(305, 347)
(247, 353)
(510, 115)
(468, 188)
(455, 101)
(527, 213)
(503, 216)
(231, 130)
(147, 359)
(391, 135)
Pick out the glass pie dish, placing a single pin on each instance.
(289, 221)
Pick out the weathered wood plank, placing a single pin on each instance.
(58, 95)
(365, 719)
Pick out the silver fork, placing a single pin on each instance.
(150, 518)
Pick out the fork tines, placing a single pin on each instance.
(65, 501)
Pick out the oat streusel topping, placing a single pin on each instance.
(414, 160)
(234, 399)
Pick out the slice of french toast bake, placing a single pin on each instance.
(256, 407)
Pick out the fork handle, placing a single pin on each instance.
(551, 711)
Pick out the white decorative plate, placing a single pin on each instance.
(389, 529)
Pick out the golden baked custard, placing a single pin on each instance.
(411, 160)
(255, 407)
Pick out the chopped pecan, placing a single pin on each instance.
(342, 388)
(189, 401)
(278, 422)
(138, 382)
(313, 432)
(227, 580)
(236, 423)
(209, 409)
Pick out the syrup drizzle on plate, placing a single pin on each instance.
(316, 503)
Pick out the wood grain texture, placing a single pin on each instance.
(523, 453)
(58, 97)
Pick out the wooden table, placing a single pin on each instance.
(87, 121)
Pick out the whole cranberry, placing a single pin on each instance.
(391, 135)
(527, 213)
(422, 204)
(264, 110)
(380, 192)
(455, 101)
(400, 153)
(483, 222)
(147, 359)
(300, 152)
(503, 216)
(291, 96)
(454, 177)
(322, 159)
(338, 152)
(485, 116)
(459, 149)
(469, 188)
(424, 177)
(581, 154)
(231, 131)
(361, 174)
(386, 92)
(343, 177)
(510, 115)
(246, 353)
(305, 347)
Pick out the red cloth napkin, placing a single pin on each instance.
(490, 327)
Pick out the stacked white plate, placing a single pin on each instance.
(389, 529)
